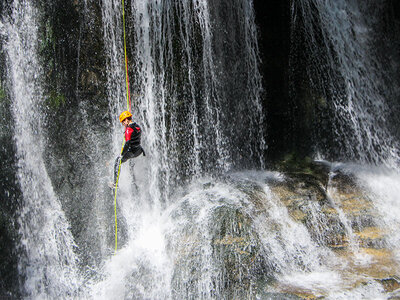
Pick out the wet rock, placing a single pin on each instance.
(278, 296)
(372, 237)
(227, 251)
(297, 293)
(390, 284)
(90, 81)
(331, 208)
(305, 186)
(368, 263)
(10, 195)
(237, 247)
(394, 295)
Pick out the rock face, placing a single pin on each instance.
(255, 244)
(10, 196)
(299, 112)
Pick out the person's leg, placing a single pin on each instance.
(127, 156)
(124, 158)
(116, 168)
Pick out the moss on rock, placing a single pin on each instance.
(55, 100)
(2, 93)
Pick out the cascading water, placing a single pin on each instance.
(382, 185)
(183, 110)
(48, 263)
(193, 224)
(350, 68)
(352, 75)
(214, 238)
(183, 99)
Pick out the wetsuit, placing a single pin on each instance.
(132, 147)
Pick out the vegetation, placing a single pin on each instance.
(293, 162)
(55, 100)
(2, 93)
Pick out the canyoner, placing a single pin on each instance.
(131, 145)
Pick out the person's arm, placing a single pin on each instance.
(125, 148)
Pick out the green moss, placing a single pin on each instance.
(321, 102)
(47, 47)
(292, 162)
(55, 100)
(47, 40)
(3, 94)
(304, 167)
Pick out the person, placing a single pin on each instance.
(132, 147)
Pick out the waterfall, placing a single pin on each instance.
(199, 106)
(183, 81)
(181, 94)
(48, 263)
(382, 185)
(199, 217)
(223, 240)
(351, 71)
(191, 234)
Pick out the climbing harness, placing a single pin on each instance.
(128, 103)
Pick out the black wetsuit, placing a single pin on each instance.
(132, 147)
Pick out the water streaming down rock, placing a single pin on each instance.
(382, 187)
(188, 124)
(353, 72)
(183, 79)
(253, 235)
(229, 248)
(112, 31)
(48, 264)
(238, 236)
(374, 220)
(332, 195)
(178, 95)
(218, 241)
(191, 229)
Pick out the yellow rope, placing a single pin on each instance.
(128, 108)
(126, 59)
(115, 203)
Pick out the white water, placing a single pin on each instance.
(177, 234)
(48, 260)
(147, 266)
(345, 67)
(142, 202)
(187, 119)
(332, 195)
(176, 254)
(173, 255)
(383, 187)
